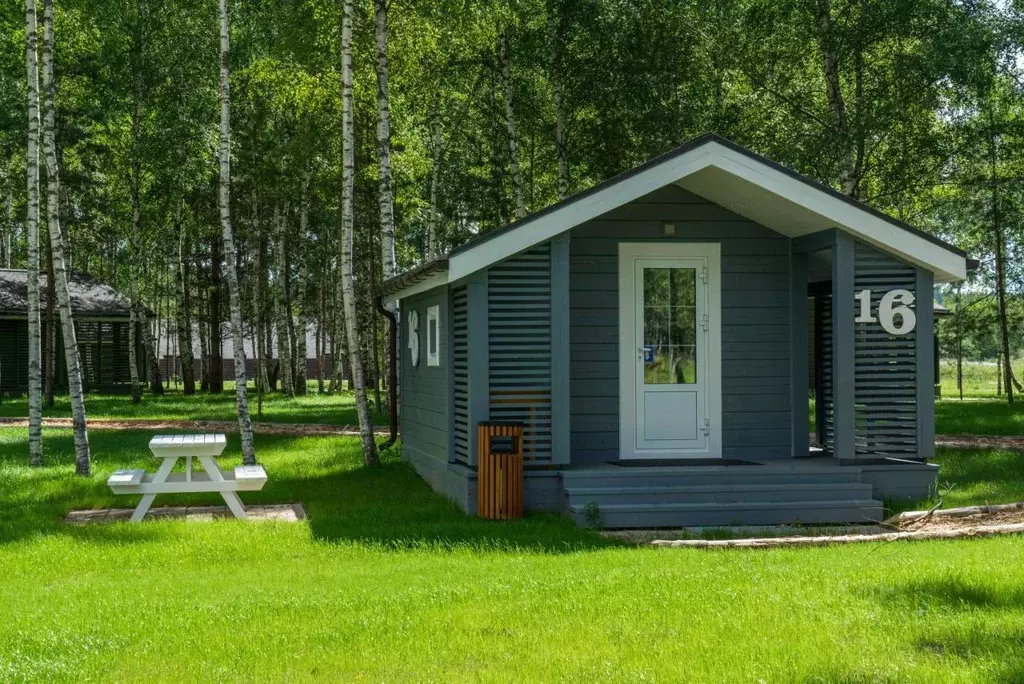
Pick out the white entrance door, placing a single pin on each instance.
(670, 350)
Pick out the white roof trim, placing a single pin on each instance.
(574, 213)
(865, 225)
(831, 211)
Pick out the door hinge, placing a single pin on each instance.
(707, 426)
(704, 275)
(705, 323)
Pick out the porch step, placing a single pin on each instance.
(614, 476)
(619, 516)
(721, 493)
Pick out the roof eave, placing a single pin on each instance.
(424, 277)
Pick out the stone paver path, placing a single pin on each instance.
(274, 512)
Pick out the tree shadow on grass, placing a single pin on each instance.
(951, 592)
(390, 507)
(980, 644)
(999, 653)
(387, 506)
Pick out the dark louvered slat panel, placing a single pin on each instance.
(825, 321)
(519, 348)
(885, 365)
(460, 374)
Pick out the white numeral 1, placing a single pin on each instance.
(864, 297)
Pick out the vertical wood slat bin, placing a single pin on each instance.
(500, 470)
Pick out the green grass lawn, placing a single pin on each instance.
(979, 417)
(387, 581)
(331, 409)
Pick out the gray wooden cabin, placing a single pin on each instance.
(660, 335)
(102, 319)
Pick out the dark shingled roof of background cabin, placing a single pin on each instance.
(89, 297)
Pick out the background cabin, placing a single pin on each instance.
(102, 320)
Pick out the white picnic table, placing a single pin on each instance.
(205, 448)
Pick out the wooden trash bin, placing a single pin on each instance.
(500, 470)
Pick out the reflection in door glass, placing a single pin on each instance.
(670, 326)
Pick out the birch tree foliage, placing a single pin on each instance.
(876, 98)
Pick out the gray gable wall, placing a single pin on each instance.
(425, 389)
(756, 396)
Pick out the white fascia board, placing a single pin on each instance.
(947, 265)
(573, 214)
(429, 283)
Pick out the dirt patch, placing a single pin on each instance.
(947, 522)
(954, 523)
(979, 442)
(202, 425)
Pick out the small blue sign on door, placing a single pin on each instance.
(648, 353)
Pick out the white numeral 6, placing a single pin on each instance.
(897, 303)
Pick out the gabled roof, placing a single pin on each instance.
(89, 297)
(733, 177)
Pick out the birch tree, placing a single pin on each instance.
(302, 325)
(184, 312)
(433, 218)
(224, 201)
(35, 377)
(72, 355)
(6, 238)
(387, 200)
(283, 307)
(555, 70)
(134, 253)
(510, 122)
(348, 295)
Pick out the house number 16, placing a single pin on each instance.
(894, 304)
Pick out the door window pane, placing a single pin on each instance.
(670, 326)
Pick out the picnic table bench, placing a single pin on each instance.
(205, 448)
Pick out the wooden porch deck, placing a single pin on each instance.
(755, 492)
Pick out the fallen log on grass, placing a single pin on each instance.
(782, 542)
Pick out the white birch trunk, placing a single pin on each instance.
(35, 343)
(302, 323)
(348, 294)
(184, 314)
(284, 355)
(562, 178)
(234, 297)
(387, 202)
(435, 179)
(8, 235)
(133, 251)
(133, 342)
(72, 354)
(510, 121)
(849, 171)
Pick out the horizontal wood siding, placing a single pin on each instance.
(756, 332)
(519, 348)
(425, 396)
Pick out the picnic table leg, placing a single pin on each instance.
(230, 498)
(147, 499)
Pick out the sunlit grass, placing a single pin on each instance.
(972, 477)
(332, 409)
(388, 581)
